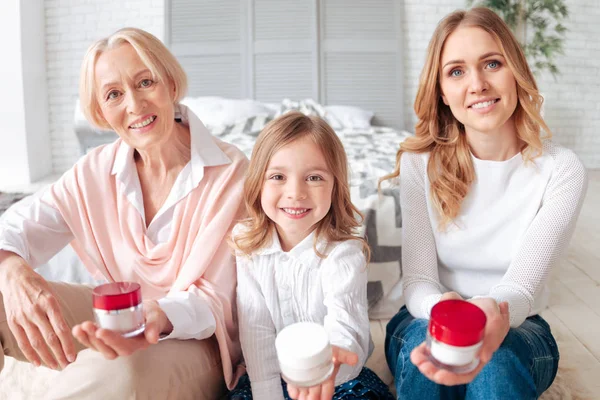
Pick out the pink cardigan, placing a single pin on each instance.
(110, 237)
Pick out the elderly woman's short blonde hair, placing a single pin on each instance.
(153, 53)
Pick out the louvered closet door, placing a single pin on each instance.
(361, 57)
(284, 50)
(206, 37)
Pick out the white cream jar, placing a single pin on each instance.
(304, 353)
(455, 335)
(118, 307)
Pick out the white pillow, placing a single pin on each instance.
(219, 111)
(348, 117)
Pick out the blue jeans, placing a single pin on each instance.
(522, 368)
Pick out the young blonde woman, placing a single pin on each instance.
(155, 207)
(489, 203)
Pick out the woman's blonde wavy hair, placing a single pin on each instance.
(450, 168)
(343, 219)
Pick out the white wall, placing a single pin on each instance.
(572, 107)
(13, 152)
(35, 87)
(24, 155)
(573, 101)
(71, 26)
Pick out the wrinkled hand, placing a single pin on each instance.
(496, 329)
(33, 314)
(112, 344)
(325, 390)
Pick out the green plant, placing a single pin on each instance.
(545, 19)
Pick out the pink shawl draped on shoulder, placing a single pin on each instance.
(110, 237)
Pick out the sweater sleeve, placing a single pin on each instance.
(421, 284)
(547, 237)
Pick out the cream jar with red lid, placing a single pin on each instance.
(455, 335)
(118, 307)
(304, 353)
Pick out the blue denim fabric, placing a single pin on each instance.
(366, 386)
(523, 367)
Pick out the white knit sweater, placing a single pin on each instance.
(514, 224)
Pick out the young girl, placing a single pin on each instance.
(489, 204)
(299, 260)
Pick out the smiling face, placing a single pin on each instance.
(138, 106)
(476, 82)
(297, 190)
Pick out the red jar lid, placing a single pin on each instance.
(117, 295)
(457, 323)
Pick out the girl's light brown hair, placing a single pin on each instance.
(153, 53)
(450, 167)
(343, 219)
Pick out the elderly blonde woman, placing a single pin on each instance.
(154, 207)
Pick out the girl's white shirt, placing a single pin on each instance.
(277, 288)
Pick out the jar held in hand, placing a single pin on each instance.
(455, 335)
(305, 354)
(118, 307)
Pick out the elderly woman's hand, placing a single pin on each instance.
(496, 329)
(112, 344)
(34, 315)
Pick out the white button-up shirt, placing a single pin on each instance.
(276, 289)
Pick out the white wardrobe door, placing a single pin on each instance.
(350, 20)
(282, 19)
(206, 37)
(194, 21)
(284, 50)
(280, 75)
(361, 57)
(213, 75)
(334, 51)
(367, 81)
